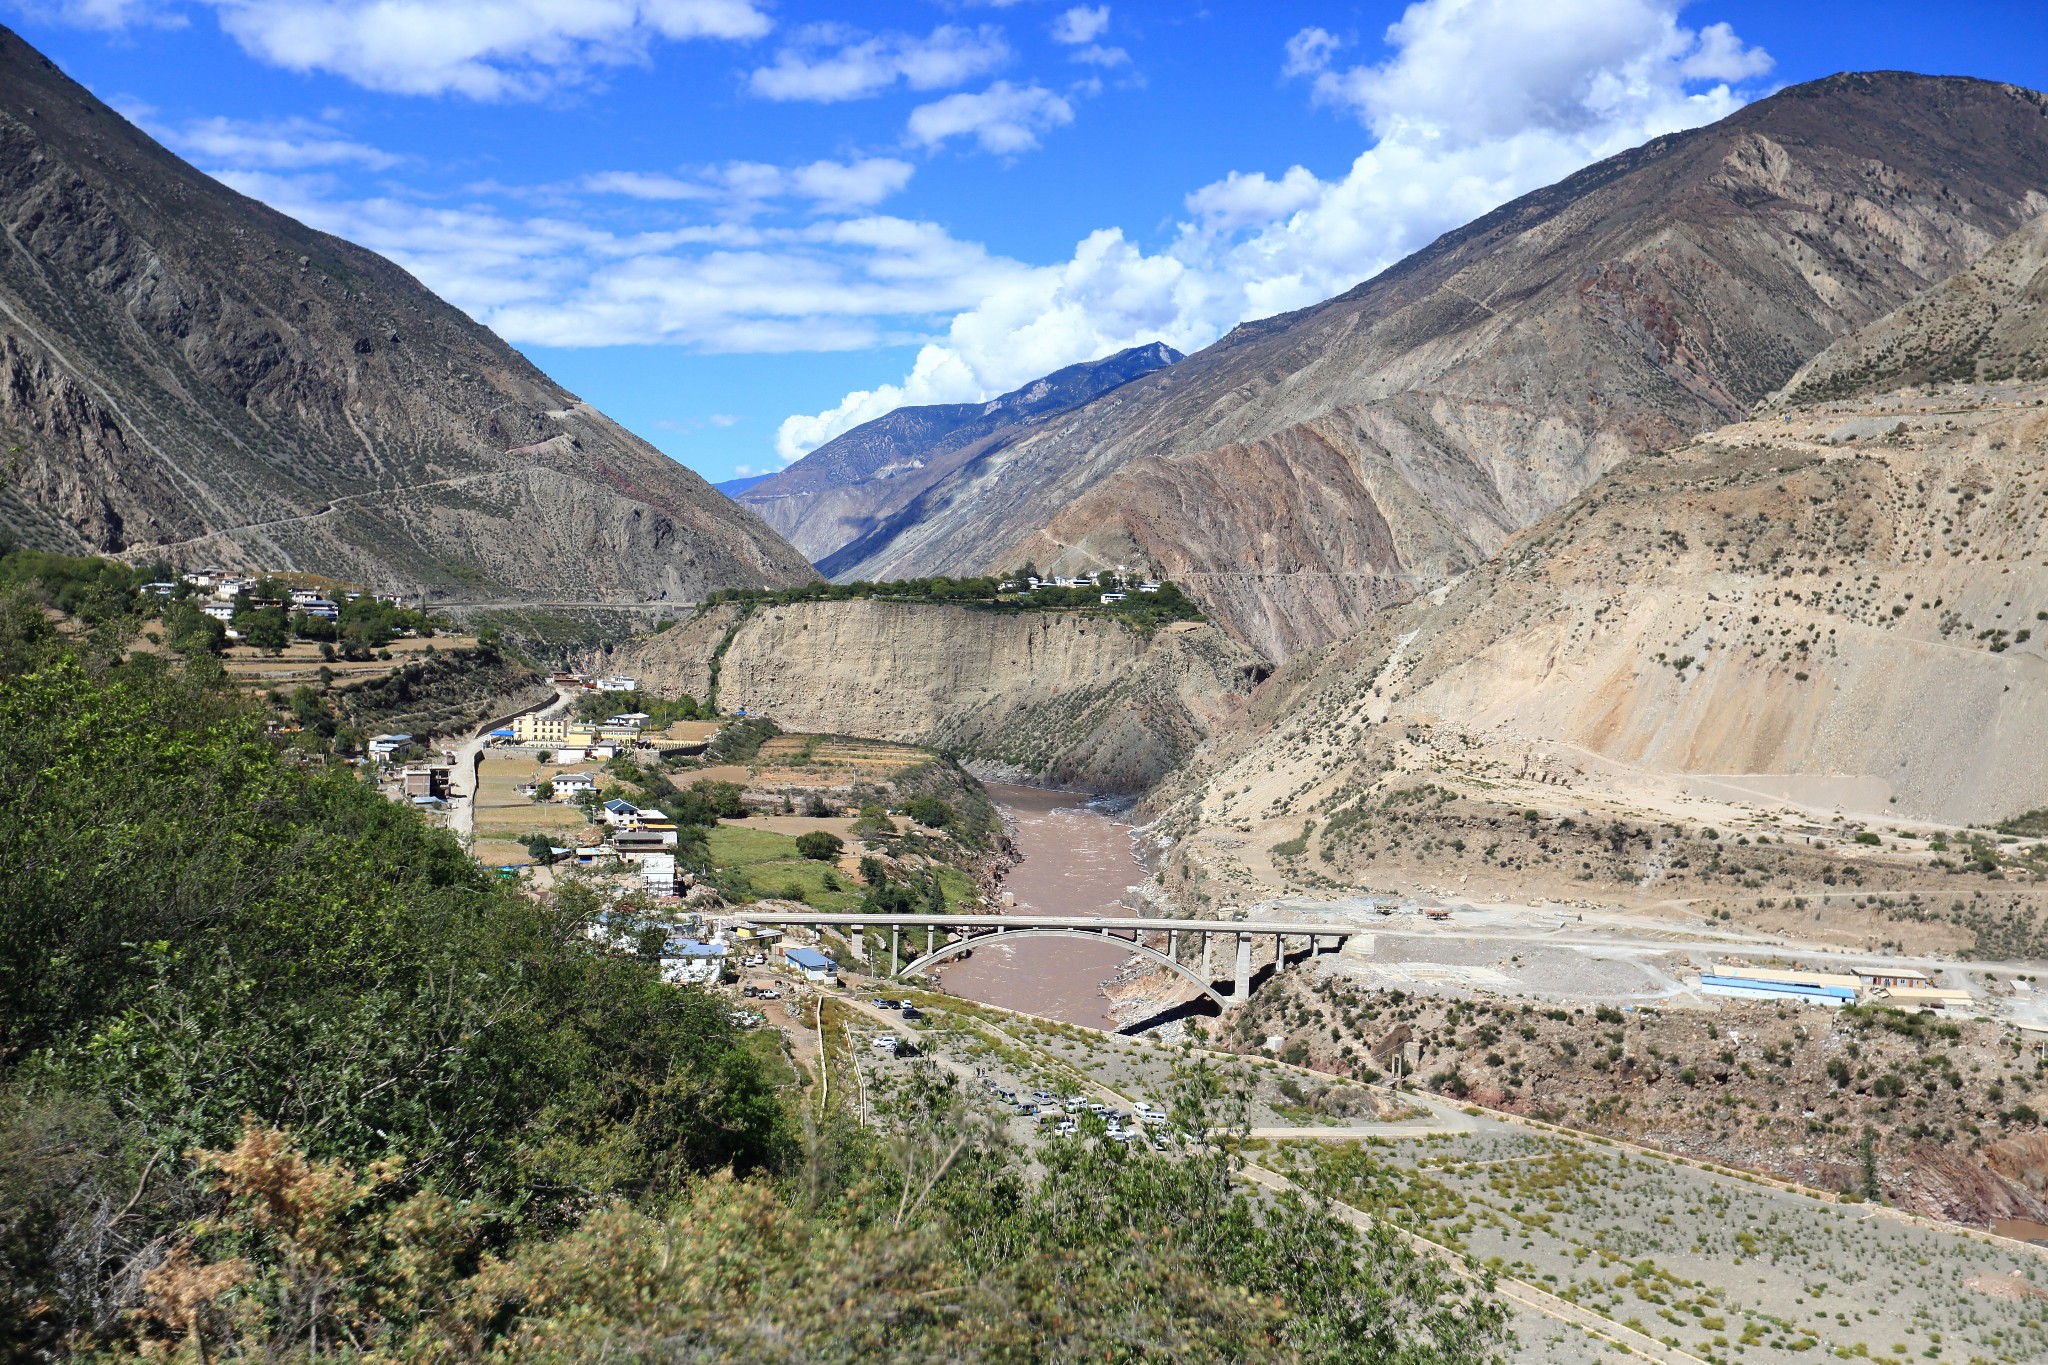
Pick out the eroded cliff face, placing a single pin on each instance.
(1056, 697)
(187, 374)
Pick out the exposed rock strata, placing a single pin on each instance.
(1063, 698)
(186, 373)
(1480, 384)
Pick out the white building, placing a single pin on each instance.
(685, 961)
(222, 612)
(658, 872)
(573, 784)
(383, 746)
(617, 684)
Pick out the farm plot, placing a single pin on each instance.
(1721, 1267)
(502, 811)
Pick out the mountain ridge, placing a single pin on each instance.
(835, 496)
(1311, 468)
(186, 373)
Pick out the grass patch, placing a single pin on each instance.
(770, 865)
(766, 1047)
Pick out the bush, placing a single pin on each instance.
(819, 845)
(929, 811)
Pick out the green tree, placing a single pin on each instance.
(819, 846)
(929, 811)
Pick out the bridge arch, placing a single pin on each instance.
(960, 945)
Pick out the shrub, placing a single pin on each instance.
(819, 845)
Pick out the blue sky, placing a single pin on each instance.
(742, 226)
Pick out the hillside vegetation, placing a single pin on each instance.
(285, 1075)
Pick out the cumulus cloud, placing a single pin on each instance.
(485, 49)
(1469, 71)
(1004, 119)
(828, 62)
(1480, 101)
(1081, 24)
(1079, 27)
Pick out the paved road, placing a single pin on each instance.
(463, 781)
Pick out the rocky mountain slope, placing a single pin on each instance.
(186, 373)
(1309, 469)
(849, 489)
(1820, 629)
(1062, 698)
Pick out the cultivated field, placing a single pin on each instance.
(300, 663)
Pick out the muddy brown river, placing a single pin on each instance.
(1076, 861)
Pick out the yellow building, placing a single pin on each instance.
(532, 729)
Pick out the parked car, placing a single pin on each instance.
(911, 1011)
(885, 1043)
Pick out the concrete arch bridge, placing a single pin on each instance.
(1140, 936)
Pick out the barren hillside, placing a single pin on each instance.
(1798, 655)
(186, 373)
(1311, 468)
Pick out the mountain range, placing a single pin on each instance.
(186, 374)
(852, 490)
(1311, 469)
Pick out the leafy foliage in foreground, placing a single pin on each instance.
(196, 925)
(925, 1241)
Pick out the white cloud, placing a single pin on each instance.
(1481, 101)
(1081, 24)
(1107, 297)
(1079, 27)
(1095, 54)
(555, 279)
(1241, 201)
(1469, 71)
(485, 49)
(746, 187)
(1004, 118)
(1309, 51)
(827, 63)
(101, 14)
(285, 144)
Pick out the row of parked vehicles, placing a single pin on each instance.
(1064, 1111)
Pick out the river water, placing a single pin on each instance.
(1076, 860)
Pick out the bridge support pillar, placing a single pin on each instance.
(1208, 958)
(1244, 969)
(1279, 953)
(1173, 944)
(931, 938)
(895, 949)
